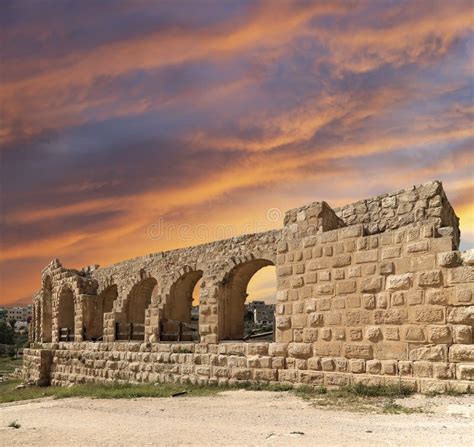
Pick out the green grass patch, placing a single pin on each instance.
(8, 364)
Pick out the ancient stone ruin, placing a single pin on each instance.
(374, 292)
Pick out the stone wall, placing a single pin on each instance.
(374, 291)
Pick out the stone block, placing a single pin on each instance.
(358, 351)
(439, 334)
(430, 353)
(358, 317)
(461, 353)
(373, 366)
(327, 349)
(462, 334)
(341, 260)
(316, 319)
(373, 334)
(283, 322)
(355, 334)
(344, 287)
(414, 333)
(461, 315)
(464, 274)
(327, 364)
(449, 259)
(430, 278)
(391, 252)
(357, 366)
(465, 372)
(423, 369)
(368, 301)
(391, 333)
(443, 371)
(299, 321)
(399, 282)
(373, 284)
(300, 350)
(311, 377)
(310, 335)
(314, 363)
(468, 257)
(366, 256)
(389, 367)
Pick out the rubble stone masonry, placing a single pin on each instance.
(373, 292)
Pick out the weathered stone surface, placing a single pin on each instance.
(364, 293)
(461, 353)
(399, 282)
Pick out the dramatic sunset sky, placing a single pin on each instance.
(130, 127)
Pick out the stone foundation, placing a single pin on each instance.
(372, 292)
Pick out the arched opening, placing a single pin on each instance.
(137, 303)
(66, 315)
(244, 315)
(180, 317)
(47, 311)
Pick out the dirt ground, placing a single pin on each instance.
(232, 418)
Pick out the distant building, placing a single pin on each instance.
(18, 313)
(195, 313)
(262, 313)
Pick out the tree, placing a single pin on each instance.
(12, 322)
(6, 333)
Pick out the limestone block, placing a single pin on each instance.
(427, 314)
(443, 371)
(464, 274)
(300, 350)
(461, 315)
(316, 319)
(468, 257)
(373, 334)
(358, 351)
(423, 369)
(344, 287)
(449, 259)
(463, 296)
(314, 363)
(373, 284)
(465, 371)
(325, 349)
(462, 334)
(405, 368)
(439, 334)
(430, 278)
(373, 366)
(461, 353)
(399, 282)
(283, 322)
(298, 321)
(310, 377)
(414, 333)
(357, 366)
(366, 256)
(430, 353)
(336, 379)
(277, 349)
(389, 367)
(310, 335)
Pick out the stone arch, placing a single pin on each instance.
(137, 305)
(176, 314)
(66, 314)
(47, 310)
(233, 293)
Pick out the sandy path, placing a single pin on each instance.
(231, 418)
